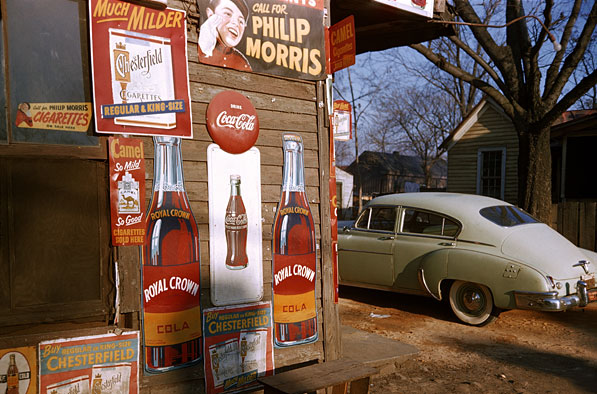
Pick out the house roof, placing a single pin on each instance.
(570, 121)
(579, 122)
(379, 26)
(395, 164)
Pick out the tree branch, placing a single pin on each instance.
(573, 59)
(552, 71)
(501, 57)
(517, 37)
(508, 106)
(571, 97)
(480, 61)
(543, 32)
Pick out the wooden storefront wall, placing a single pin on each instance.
(283, 105)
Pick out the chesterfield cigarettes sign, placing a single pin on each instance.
(140, 76)
(95, 364)
(277, 37)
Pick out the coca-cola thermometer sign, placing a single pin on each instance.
(232, 122)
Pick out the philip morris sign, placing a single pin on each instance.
(268, 36)
(139, 67)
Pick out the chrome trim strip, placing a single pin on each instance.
(363, 251)
(423, 283)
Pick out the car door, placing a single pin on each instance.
(366, 253)
(421, 233)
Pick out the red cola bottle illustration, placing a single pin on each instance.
(294, 256)
(170, 258)
(235, 224)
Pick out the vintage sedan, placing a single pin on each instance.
(483, 254)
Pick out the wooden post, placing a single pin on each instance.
(331, 324)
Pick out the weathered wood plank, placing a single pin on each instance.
(128, 261)
(586, 225)
(267, 119)
(232, 79)
(570, 225)
(319, 376)
(267, 137)
(202, 93)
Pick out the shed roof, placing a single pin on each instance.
(379, 26)
(395, 164)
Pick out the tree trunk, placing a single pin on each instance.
(534, 171)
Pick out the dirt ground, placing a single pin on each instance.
(521, 352)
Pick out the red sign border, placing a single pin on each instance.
(101, 71)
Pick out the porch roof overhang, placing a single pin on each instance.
(379, 26)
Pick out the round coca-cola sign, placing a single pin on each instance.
(232, 122)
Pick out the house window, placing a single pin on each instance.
(54, 235)
(491, 170)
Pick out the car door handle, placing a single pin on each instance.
(386, 238)
(447, 244)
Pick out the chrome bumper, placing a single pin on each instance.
(550, 302)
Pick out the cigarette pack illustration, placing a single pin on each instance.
(141, 70)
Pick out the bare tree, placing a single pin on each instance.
(532, 93)
(422, 118)
(379, 137)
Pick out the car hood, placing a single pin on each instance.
(544, 249)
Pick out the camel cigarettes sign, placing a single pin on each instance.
(342, 44)
(127, 191)
(139, 66)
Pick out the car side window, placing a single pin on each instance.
(383, 218)
(421, 222)
(363, 220)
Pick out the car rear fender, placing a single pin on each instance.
(432, 270)
(502, 276)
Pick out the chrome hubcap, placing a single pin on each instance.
(473, 300)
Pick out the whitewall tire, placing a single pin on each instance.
(472, 303)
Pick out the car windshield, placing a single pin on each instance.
(507, 215)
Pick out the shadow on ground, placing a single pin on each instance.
(578, 371)
(417, 305)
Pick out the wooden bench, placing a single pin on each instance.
(337, 374)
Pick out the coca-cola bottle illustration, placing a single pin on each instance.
(12, 376)
(171, 277)
(294, 256)
(235, 224)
